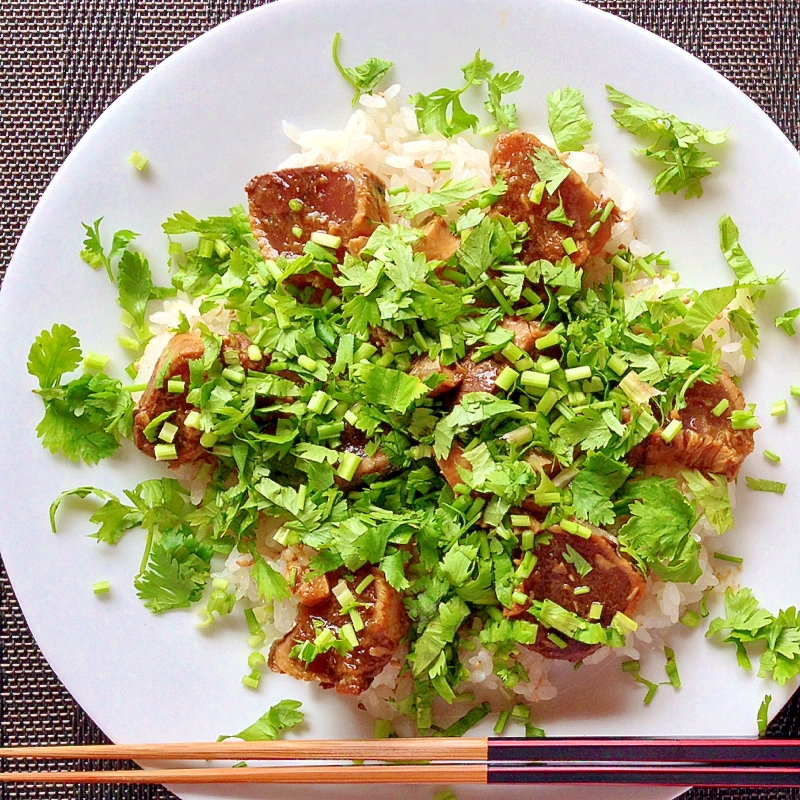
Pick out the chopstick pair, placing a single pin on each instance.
(667, 762)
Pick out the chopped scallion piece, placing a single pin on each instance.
(165, 452)
(192, 420)
(536, 193)
(512, 352)
(348, 466)
(527, 540)
(95, 361)
(671, 668)
(441, 166)
(519, 597)
(569, 246)
(595, 611)
(296, 204)
(234, 374)
(761, 485)
(578, 374)
(794, 391)
(176, 386)
(623, 623)
(779, 408)
(208, 439)
(254, 352)
(138, 160)
(721, 407)
(744, 419)
(535, 380)
(252, 680)
(297, 231)
(526, 566)
(519, 436)
(256, 660)
(550, 340)
(595, 226)
(101, 587)
(167, 432)
(326, 240)
(609, 207)
(355, 618)
(772, 456)
(581, 590)
(726, 557)
(557, 640)
(520, 520)
(575, 528)
(502, 721)
(672, 430)
(532, 732)
(364, 584)
(506, 379)
(318, 402)
(383, 729)
(348, 635)
(205, 248)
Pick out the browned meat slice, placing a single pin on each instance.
(613, 581)
(438, 244)
(385, 624)
(705, 442)
(526, 332)
(450, 375)
(156, 399)
(312, 592)
(449, 466)
(512, 158)
(343, 200)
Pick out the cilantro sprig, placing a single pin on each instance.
(675, 144)
(442, 110)
(364, 78)
(567, 119)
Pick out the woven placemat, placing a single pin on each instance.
(64, 62)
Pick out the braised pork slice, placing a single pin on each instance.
(385, 624)
(512, 158)
(173, 364)
(438, 243)
(342, 200)
(470, 376)
(613, 581)
(355, 441)
(706, 442)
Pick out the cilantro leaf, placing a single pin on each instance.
(135, 290)
(475, 407)
(458, 563)
(176, 573)
(594, 486)
(271, 584)
(393, 567)
(549, 169)
(559, 215)
(658, 533)
(53, 354)
(675, 145)
(786, 321)
(702, 312)
(781, 659)
(572, 556)
(281, 717)
(439, 633)
(567, 119)
(712, 494)
(114, 516)
(391, 388)
(363, 77)
(93, 253)
(764, 485)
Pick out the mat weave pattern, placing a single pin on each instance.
(64, 61)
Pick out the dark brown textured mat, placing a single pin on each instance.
(62, 63)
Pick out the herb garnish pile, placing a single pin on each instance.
(624, 362)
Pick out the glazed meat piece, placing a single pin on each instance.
(343, 200)
(512, 159)
(173, 364)
(438, 244)
(470, 376)
(705, 442)
(613, 581)
(385, 624)
(449, 466)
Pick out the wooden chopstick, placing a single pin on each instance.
(602, 749)
(648, 774)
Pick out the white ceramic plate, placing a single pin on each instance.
(209, 119)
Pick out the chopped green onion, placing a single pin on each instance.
(527, 540)
(101, 587)
(167, 432)
(773, 457)
(343, 594)
(206, 618)
(520, 520)
(502, 721)
(536, 193)
(205, 248)
(348, 466)
(569, 246)
(326, 240)
(192, 420)
(397, 190)
(221, 249)
(578, 374)
(595, 611)
(547, 365)
(252, 680)
(355, 618)
(794, 391)
(256, 660)
(95, 361)
(581, 590)
(256, 640)
(348, 635)
(254, 352)
(519, 436)
(721, 407)
(365, 583)
(234, 374)
(623, 623)
(208, 439)
(575, 528)
(672, 430)
(671, 668)
(318, 402)
(548, 401)
(512, 352)
(138, 160)
(506, 379)
(383, 729)
(535, 380)
(176, 386)
(532, 732)
(595, 226)
(557, 640)
(128, 343)
(526, 566)
(609, 207)
(297, 231)
(726, 557)
(617, 364)
(519, 597)
(165, 452)
(744, 419)
(550, 340)
(441, 166)
(633, 665)
(296, 204)
(366, 351)
(222, 450)
(308, 364)
(779, 408)
(762, 718)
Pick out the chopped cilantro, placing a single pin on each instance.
(567, 119)
(365, 77)
(280, 717)
(786, 321)
(763, 485)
